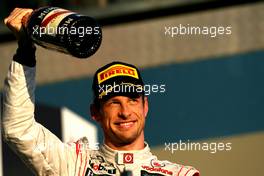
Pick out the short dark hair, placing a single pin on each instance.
(97, 102)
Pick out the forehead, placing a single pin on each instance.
(122, 97)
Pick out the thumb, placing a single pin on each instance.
(5, 20)
(25, 19)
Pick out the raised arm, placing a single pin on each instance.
(41, 150)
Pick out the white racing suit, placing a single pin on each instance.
(46, 155)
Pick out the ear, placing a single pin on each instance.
(146, 106)
(95, 112)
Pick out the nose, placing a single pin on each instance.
(125, 111)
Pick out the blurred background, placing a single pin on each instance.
(214, 85)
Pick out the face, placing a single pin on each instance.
(123, 119)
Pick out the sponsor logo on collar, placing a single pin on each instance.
(116, 70)
(128, 158)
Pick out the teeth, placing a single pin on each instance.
(126, 123)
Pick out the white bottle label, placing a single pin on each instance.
(50, 24)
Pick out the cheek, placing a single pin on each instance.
(141, 115)
(142, 112)
(107, 118)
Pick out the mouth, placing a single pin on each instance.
(126, 124)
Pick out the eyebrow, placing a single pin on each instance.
(113, 99)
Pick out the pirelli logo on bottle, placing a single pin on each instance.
(116, 70)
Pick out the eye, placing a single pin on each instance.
(133, 100)
(114, 102)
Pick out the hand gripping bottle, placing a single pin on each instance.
(65, 31)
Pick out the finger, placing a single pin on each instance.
(15, 20)
(13, 24)
(17, 15)
(14, 11)
(8, 19)
(5, 20)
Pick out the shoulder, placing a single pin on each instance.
(165, 167)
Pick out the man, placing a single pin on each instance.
(119, 106)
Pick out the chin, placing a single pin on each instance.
(127, 139)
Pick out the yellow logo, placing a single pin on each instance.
(116, 70)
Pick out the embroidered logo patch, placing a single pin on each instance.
(116, 70)
(128, 158)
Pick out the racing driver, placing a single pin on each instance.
(119, 106)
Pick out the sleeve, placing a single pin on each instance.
(41, 150)
(188, 171)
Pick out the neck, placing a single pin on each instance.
(137, 144)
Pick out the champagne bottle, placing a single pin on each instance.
(65, 31)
